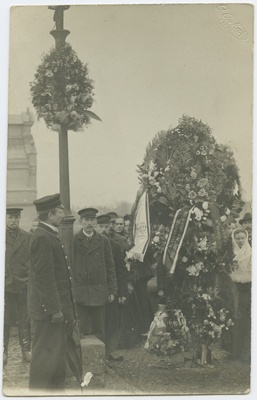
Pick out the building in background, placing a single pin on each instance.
(21, 166)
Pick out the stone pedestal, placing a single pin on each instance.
(93, 360)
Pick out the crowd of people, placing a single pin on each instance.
(45, 293)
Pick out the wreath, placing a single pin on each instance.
(61, 91)
(194, 192)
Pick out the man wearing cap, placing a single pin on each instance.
(116, 236)
(95, 281)
(16, 282)
(50, 300)
(112, 320)
(246, 223)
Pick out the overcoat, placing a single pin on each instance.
(17, 262)
(50, 280)
(120, 239)
(94, 270)
(120, 268)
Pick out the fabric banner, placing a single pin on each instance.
(175, 239)
(141, 229)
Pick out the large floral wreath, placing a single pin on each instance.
(61, 91)
(194, 197)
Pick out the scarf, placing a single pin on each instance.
(243, 258)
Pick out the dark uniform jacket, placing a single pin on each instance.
(94, 270)
(120, 239)
(50, 278)
(120, 268)
(17, 261)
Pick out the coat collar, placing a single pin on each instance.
(21, 236)
(95, 243)
(47, 229)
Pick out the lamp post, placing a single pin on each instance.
(66, 229)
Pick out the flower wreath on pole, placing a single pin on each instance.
(61, 91)
(194, 193)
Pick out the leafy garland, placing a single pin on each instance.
(61, 91)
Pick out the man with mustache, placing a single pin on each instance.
(95, 282)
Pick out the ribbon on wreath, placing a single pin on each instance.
(176, 236)
(141, 230)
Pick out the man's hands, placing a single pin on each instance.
(130, 287)
(110, 298)
(122, 300)
(57, 318)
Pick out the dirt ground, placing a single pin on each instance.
(141, 373)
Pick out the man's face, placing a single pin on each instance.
(112, 223)
(103, 228)
(56, 219)
(119, 225)
(88, 224)
(13, 221)
(127, 225)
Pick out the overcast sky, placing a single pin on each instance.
(150, 64)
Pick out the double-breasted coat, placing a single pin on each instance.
(94, 270)
(49, 292)
(17, 261)
(50, 279)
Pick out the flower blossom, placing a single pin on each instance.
(192, 194)
(206, 297)
(156, 239)
(202, 192)
(202, 182)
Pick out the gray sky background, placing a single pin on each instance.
(150, 64)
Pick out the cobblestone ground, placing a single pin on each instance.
(144, 373)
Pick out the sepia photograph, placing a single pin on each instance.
(127, 202)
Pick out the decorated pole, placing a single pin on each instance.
(60, 35)
(62, 94)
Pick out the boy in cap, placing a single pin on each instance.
(112, 320)
(16, 282)
(95, 281)
(50, 298)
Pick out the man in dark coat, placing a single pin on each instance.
(116, 236)
(113, 312)
(50, 300)
(95, 281)
(16, 282)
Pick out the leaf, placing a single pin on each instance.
(92, 115)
